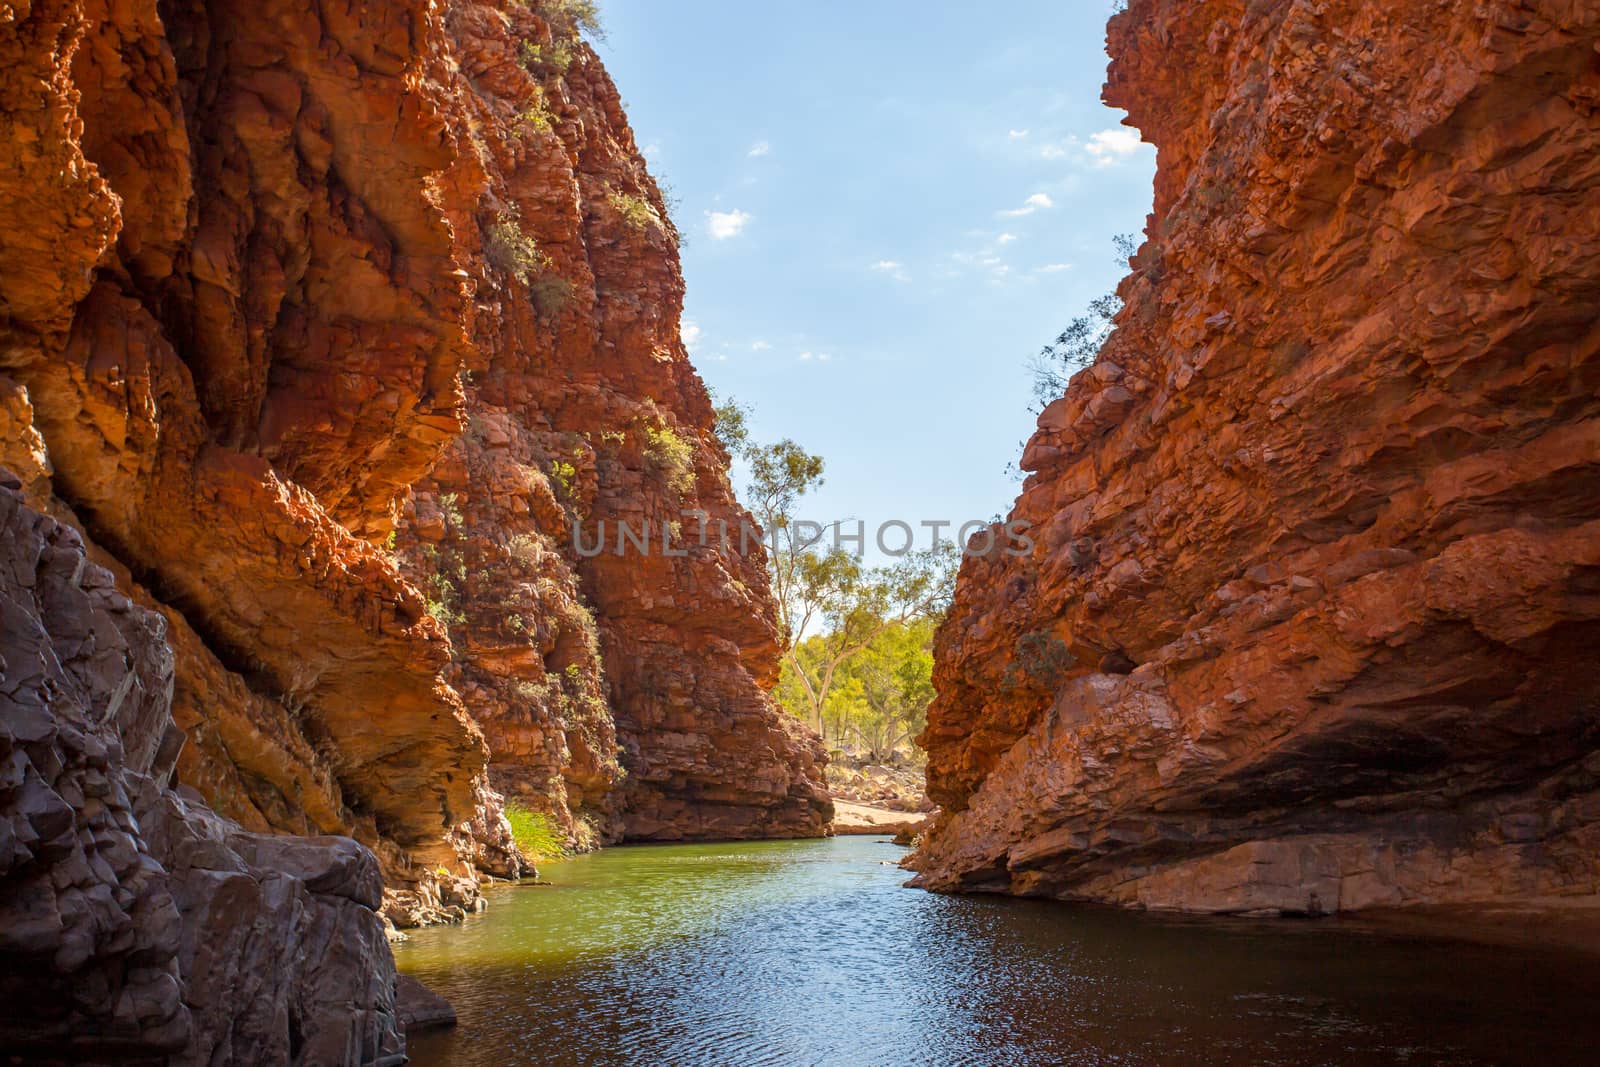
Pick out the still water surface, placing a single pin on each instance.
(812, 953)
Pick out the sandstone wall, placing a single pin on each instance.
(319, 326)
(1311, 619)
(625, 695)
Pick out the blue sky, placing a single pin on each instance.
(889, 207)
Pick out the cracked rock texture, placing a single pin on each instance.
(319, 329)
(1311, 618)
(135, 924)
(622, 694)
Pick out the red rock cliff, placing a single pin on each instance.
(1317, 586)
(318, 329)
(583, 411)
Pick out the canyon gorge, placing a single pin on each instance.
(328, 335)
(319, 329)
(1318, 577)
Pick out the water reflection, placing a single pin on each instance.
(811, 953)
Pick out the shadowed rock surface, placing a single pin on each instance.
(1310, 621)
(135, 923)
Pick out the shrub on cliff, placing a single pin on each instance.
(1077, 346)
(634, 210)
(544, 60)
(572, 17)
(672, 455)
(511, 249)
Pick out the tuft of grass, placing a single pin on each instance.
(671, 455)
(634, 210)
(536, 836)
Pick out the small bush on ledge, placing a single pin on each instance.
(511, 249)
(673, 456)
(634, 210)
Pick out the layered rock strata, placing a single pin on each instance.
(319, 329)
(1309, 623)
(623, 688)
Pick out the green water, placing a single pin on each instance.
(812, 953)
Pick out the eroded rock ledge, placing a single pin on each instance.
(303, 313)
(1311, 620)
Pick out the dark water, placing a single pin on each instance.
(812, 953)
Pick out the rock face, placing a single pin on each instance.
(133, 921)
(319, 328)
(1316, 587)
(624, 693)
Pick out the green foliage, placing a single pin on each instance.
(634, 210)
(536, 117)
(447, 572)
(672, 455)
(511, 250)
(442, 604)
(389, 542)
(537, 837)
(1077, 346)
(564, 476)
(572, 17)
(1041, 659)
(544, 60)
(732, 427)
(879, 697)
(832, 608)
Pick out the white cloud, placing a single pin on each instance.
(815, 357)
(1029, 206)
(691, 333)
(651, 150)
(893, 268)
(1112, 146)
(760, 346)
(1059, 150)
(806, 357)
(1005, 238)
(726, 224)
(1053, 268)
(1017, 135)
(759, 149)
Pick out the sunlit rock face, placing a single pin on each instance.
(624, 694)
(1311, 620)
(270, 359)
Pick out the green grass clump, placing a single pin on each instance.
(672, 455)
(634, 210)
(536, 836)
